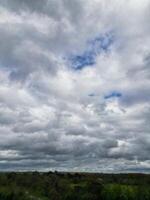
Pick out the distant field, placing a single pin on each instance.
(73, 186)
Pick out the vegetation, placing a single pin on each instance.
(73, 186)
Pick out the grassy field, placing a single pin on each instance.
(74, 186)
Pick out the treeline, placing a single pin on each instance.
(73, 186)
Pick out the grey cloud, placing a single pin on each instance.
(47, 119)
(17, 5)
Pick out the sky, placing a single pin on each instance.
(75, 85)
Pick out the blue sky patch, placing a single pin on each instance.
(80, 61)
(113, 94)
(91, 95)
(102, 42)
(94, 48)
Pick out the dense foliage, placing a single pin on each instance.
(73, 186)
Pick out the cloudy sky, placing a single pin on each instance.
(75, 85)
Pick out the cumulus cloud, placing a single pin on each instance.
(75, 88)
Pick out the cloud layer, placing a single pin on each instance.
(75, 85)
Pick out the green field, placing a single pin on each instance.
(73, 186)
